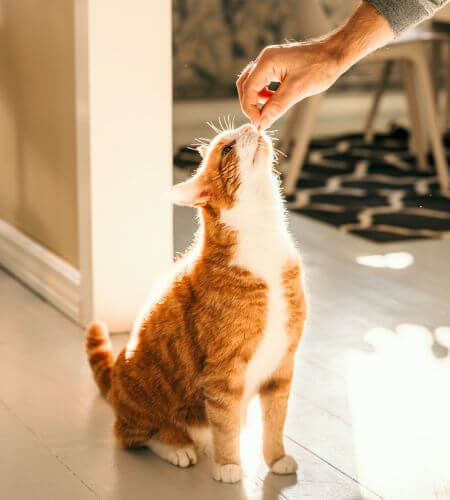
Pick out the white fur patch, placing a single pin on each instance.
(202, 438)
(228, 473)
(265, 247)
(285, 465)
(181, 457)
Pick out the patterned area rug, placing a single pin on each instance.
(371, 190)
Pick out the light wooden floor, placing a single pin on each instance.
(369, 413)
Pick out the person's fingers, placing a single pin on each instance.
(260, 76)
(241, 79)
(284, 97)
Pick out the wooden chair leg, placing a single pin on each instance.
(306, 117)
(287, 138)
(448, 89)
(425, 87)
(418, 136)
(436, 67)
(369, 127)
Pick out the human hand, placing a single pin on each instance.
(303, 69)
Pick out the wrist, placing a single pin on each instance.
(365, 31)
(339, 52)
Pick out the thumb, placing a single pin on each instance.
(278, 104)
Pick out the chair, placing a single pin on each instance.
(410, 51)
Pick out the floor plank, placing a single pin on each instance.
(29, 469)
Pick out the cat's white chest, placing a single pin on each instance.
(264, 248)
(266, 254)
(274, 341)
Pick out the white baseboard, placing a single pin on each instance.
(43, 271)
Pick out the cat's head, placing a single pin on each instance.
(236, 169)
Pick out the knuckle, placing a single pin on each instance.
(270, 50)
(267, 52)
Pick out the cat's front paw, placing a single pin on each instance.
(227, 473)
(183, 457)
(284, 465)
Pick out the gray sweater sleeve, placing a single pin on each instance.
(403, 14)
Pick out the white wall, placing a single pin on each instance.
(124, 116)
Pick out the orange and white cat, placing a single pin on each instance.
(226, 326)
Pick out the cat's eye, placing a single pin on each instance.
(227, 149)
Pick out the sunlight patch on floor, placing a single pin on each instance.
(393, 260)
(400, 409)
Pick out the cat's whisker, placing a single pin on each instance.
(276, 172)
(275, 152)
(280, 152)
(274, 156)
(223, 123)
(199, 142)
(220, 124)
(267, 148)
(216, 130)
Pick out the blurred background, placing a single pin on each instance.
(100, 102)
(214, 41)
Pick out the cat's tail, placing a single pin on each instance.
(100, 355)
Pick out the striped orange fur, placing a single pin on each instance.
(224, 328)
(101, 359)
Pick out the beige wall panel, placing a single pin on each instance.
(37, 122)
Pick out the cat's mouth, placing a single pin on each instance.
(256, 143)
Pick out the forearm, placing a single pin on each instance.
(403, 14)
(364, 32)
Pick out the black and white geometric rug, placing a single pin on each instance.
(371, 190)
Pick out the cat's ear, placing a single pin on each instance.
(203, 149)
(194, 193)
